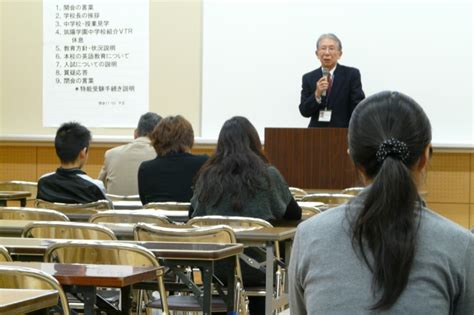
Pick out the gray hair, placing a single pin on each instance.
(330, 36)
(147, 123)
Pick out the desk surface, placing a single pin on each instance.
(19, 301)
(14, 195)
(310, 203)
(13, 227)
(191, 251)
(125, 231)
(127, 204)
(280, 233)
(173, 215)
(114, 276)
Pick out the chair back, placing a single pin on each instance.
(32, 214)
(14, 277)
(168, 205)
(94, 252)
(219, 234)
(297, 193)
(76, 208)
(123, 197)
(4, 254)
(129, 216)
(354, 191)
(236, 223)
(110, 253)
(309, 211)
(329, 199)
(18, 185)
(68, 230)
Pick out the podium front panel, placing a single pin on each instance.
(311, 158)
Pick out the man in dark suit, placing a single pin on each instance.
(330, 93)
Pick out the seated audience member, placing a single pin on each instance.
(238, 181)
(384, 252)
(120, 169)
(169, 177)
(69, 184)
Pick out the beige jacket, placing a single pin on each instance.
(120, 169)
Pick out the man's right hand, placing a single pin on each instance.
(321, 86)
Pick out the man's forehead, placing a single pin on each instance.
(328, 41)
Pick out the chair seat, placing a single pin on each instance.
(189, 303)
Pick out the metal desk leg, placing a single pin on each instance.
(288, 245)
(208, 271)
(88, 292)
(231, 307)
(126, 300)
(269, 278)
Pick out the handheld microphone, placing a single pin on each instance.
(325, 74)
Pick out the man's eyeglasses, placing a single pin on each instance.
(327, 48)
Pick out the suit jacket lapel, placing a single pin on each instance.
(336, 84)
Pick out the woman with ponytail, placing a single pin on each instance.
(384, 252)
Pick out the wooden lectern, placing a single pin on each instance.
(311, 158)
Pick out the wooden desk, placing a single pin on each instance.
(14, 195)
(265, 237)
(173, 215)
(203, 256)
(165, 250)
(171, 255)
(12, 228)
(19, 301)
(259, 237)
(87, 277)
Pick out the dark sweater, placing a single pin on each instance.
(272, 203)
(169, 178)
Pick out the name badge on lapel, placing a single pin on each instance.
(325, 115)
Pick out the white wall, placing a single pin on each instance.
(255, 52)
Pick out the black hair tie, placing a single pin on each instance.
(392, 147)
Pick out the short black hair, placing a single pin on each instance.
(147, 123)
(71, 138)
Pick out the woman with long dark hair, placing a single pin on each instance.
(238, 180)
(384, 252)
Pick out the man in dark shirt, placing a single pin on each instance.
(69, 184)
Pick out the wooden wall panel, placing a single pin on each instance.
(95, 161)
(18, 163)
(471, 219)
(448, 178)
(459, 213)
(47, 161)
(471, 183)
(209, 150)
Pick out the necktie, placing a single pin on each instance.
(329, 85)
